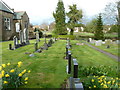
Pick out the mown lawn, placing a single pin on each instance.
(48, 69)
(89, 57)
(114, 48)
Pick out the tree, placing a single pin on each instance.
(59, 15)
(74, 16)
(99, 29)
(91, 26)
(110, 14)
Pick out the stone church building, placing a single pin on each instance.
(11, 22)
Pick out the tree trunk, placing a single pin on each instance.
(71, 32)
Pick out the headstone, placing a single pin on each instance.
(75, 68)
(36, 46)
(103, 42)
(39, 51)
(118, 41)
(90, 39)
(31, 55)
(69, 62)
(45, 47)
(21, 37)
(10, 46)
(15, 40)
(37, 37)
(93, 41)
(108, 46)
(98, 43)
(25, 35)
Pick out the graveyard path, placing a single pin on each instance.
(109, 54)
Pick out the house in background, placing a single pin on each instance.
(11, 22)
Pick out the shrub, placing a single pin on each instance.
(13, 76)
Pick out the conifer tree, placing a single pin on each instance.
(99, 35)
(59, 15)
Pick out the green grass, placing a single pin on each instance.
(87, 56)
(91, 34)
(48, 69)
(113, 48)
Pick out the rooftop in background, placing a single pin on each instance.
(5, 7)
(19, 14)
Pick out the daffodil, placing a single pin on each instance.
(12, 70)
(29, 71)
(19, 63)
(101, 84)
(102, 76)
(20, 75)
(3, 72)
(117, 78)
(0, 68)
(108, 82)
(105, 86)
(0, 75)
(8, 64)
(26, 82)
(3, 65)
(5, 82)
(7, 75)
(89, 87)
(26, 78)
(94, 86)
(92, 80)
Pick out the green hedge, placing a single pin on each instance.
(72, 37)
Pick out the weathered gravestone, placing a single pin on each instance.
(98, 43)
(36, 46)
(37, 37)
(10, 47)
(16, 43)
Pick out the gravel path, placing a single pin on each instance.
(109, 54)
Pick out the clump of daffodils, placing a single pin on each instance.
(13, 77)
(102, 82)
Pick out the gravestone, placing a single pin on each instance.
(36, 46)
(10, 46)
(45, 46)
(103, 42)
(108, 46)
(69, 62)
(98, 43)
(15, 40)
(118, 41)
(37, 37)
(90, 39)
(93, 41)
(21, 37)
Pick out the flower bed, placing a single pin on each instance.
(13, 76)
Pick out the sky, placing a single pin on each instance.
(40, 11)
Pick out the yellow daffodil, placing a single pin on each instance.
(20, 75)
(3, 65)
(26, 82)
(0, 75)
(26, 78)
(29, 71)
(116, 78)
(92, 80)
(0, 68)
(12, 70)
(89, 87)
(102, 76)
(8, 64)
(101, 84)
(108, 82)
(105, 86)
(94, 86)
(5, 82)
(19, 63)
(7, 75)
(105, 82)
(3, 72)
(111, 78)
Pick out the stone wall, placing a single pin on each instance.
(6, 34)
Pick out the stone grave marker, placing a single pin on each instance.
(37, 37)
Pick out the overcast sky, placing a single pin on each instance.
(40, 11)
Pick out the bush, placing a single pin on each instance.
(72, 37)
(12, 75)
